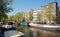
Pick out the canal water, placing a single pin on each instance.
(34, 32)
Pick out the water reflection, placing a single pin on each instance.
(33, 32)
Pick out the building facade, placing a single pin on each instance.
(34, 15)
(42, 10)
(54, 10)
(26, 15)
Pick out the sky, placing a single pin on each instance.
(22, 5)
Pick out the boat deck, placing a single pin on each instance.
(46, 27)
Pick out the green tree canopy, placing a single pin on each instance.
(38, 16)
(11, 18)
(5, 8)
(49, 13)
(19, 15)
(50, 16)
(31, 15)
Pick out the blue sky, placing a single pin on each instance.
(21, 5)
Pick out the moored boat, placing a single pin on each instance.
(13, 33)
(45, 27)
(24, 23)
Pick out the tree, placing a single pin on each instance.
(19, 15)
(31, 15)
(50, 16)
(11, 18)
(38, 16)
(49, 13)
(5, 8)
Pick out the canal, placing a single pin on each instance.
(34, 32)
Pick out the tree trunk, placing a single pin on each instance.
(49, 21)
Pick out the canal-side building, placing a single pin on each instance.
(53, 11)
(26, 15)
(42, 10)
(34, 15)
